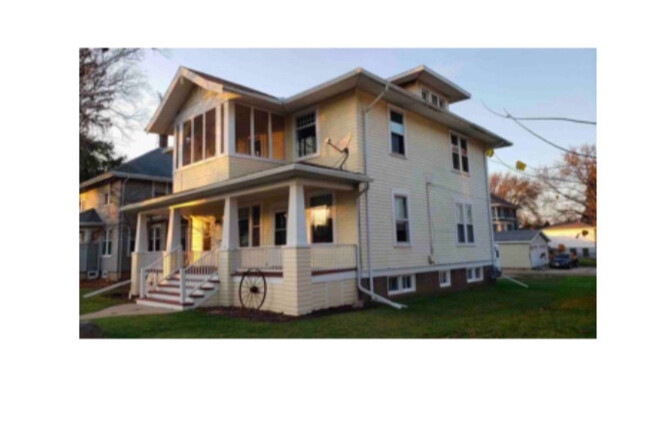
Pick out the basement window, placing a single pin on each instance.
(444, 278)
(474, 274)
(401, 284)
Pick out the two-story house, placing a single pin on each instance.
(106, 236)
(504, 214)
(360, 187)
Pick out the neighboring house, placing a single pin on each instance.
(504, 214)
(107, 237)
(359, 187)
(578, 238)
(522, 249)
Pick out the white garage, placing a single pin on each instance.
(522, 249)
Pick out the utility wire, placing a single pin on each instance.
(516, 120)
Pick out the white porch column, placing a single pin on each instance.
(141, 233)
(229, 229)
(137, 255)
(174, 230)
(296, 224)
(227, 252)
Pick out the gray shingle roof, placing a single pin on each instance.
(153, 163)
(90, 217)
(517, 236)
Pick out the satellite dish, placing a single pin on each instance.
(342, 144)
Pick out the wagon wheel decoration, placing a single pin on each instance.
(252, 289)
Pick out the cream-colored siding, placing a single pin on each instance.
(337, 120)
(428, 158)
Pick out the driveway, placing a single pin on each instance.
(577, 271)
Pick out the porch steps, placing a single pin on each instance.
(167, 294)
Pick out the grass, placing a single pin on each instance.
(99, 302)
(553, 307)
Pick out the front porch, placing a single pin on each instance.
(300, 233)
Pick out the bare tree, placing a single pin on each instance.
(110, 87)
(520, 191)
(572, 184)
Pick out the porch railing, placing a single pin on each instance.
(161, 269)
(333, 257)
(262, 257)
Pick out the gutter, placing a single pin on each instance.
(371, 291)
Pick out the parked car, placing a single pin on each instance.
(563, 261)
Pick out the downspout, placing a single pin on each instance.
(370, 291)
(489, 214)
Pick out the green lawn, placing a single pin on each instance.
(99, 302)
(553, 307)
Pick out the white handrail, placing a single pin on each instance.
(206, 267)
(157, 270)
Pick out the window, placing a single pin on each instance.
(159, 189)
(425, 95)
(261, 139)
(187, 142)
(585, 252)
(435, 99)
(401, 284)
(107, 197)
(401, 215)
(321, 224)
(459, 158)
(242, 129)
(210, 133)
(107, 245)
(280, 228)
(573, 251)
(474, 274)
(222, 116)
(155, 239)
(249, 226)
(464, 223)
(397, 145)
(198, 139)
(277, 136)
(444, 278)
(306, 143)
(177, 147)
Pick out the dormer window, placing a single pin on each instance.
(425, 95)
(433, 98)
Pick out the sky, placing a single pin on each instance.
(526, 82)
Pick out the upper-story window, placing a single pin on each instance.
(306, 138)
(107, 197)
(258, 133)
(459, 155)
(196, 138)
(397, 144)
(433, 98)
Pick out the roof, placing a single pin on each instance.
(155, 165)
(519, 236)
(569, 225)
(494, 199)
(434, 80)
(177, 92)
(272, 175)
(90, 218)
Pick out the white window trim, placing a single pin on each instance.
(465, 204)
(474, 278)
(405, 193)
(294, 129)
(400, 283)
(105, 240)
(250, 206)
(442, 100)
(189, 115)
(308, 216)
(390, 138)
(451, 154)
(444, 273)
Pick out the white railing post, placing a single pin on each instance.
(182, 281)
(142, 284)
